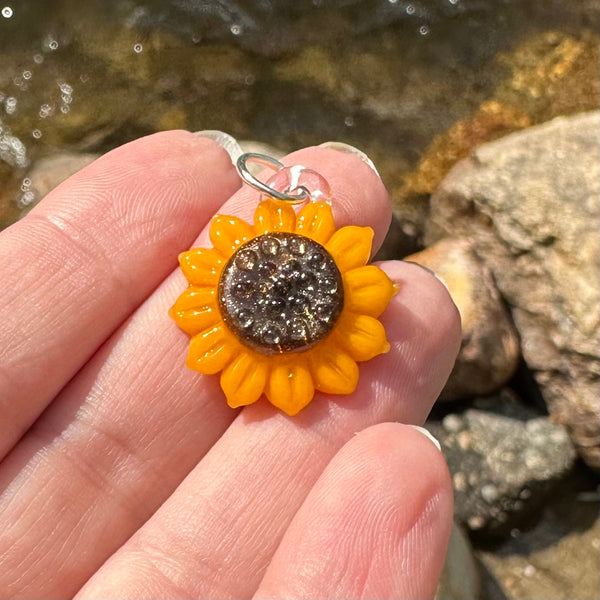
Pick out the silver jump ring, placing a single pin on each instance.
(272, 163)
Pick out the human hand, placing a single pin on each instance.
(126, 475)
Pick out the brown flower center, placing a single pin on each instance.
(281, 292)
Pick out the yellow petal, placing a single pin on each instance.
(228, 233)
(202, 266)
(367, 290)
(333, 371)
(196, 309)
(212, 349)
(350, 247)
(274, 215)
(243, 380)
(290, 385)
(363, 337)
(315, 221)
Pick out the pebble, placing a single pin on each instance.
(489, 352)
(501, 472)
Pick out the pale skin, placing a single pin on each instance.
(126, 475)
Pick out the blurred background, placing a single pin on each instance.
(419, 85)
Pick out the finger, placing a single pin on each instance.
(217, 533)
(89, 253)
(375, 525)
(125, 432)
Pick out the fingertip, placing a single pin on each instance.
(348, 149)
(376, 524)
(428, 289)
(403, 450)
(423, 328)
(161, 161)
(423, 291)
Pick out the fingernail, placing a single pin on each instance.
(428, 435)
(348, 149)
(226, 141)
(431, 272)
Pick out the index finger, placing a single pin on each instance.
(90, 253)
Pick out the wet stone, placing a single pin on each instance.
(281, 292)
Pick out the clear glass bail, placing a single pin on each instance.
(296, 184)
(290, 180)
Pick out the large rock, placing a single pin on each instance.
(529, 205)
(543, 75)
(504, 458)
(489, 352)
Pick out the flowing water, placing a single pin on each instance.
(393, 77)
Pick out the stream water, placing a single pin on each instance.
(390, 76)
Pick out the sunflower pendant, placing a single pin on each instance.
(283, 307)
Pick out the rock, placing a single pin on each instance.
(551, 73)
(491, 121)
(529, 205)
(545, 75)
(563, 571)
(47, 173)
(504, 459)
(557, 557)
(490, 347)
(459, 578)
